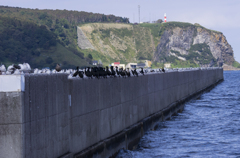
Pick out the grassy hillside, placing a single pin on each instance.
(24, 41)
(119, 42)
(44, 37)
(133, 43)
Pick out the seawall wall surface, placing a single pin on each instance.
(53, 116)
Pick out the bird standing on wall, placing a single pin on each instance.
(112, 71)
(135, 72)
(95, 72)
(11, 69)
(122, 72)
(108, 72)
(80, 74)
(76, 73)
(2, 68)
(142, 72)
(163, 70)
(58, 68)
(118, 73)
(88, 73)
(128, 72)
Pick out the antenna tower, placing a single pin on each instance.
(133, 18)
(139, 13)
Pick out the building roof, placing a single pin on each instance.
(95, 61)
(116, 63)
(132, 64)
(141, 64)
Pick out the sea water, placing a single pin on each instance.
(207, 127)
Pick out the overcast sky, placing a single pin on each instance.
(220, 15)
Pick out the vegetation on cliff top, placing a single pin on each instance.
(41, 37)
(24, 41)
(46, 37)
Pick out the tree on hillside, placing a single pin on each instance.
(159, 21)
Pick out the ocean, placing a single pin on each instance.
(208, 127)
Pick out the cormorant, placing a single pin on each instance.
(88, 73)
(135, 72)
(118, 73)
(108, 72)
(122, 72)
(95, 72)
(76, 73)
(58, 68)
(163, 70)
(128, 72)
(142, 72)
(113, 72)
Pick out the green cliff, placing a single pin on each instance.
(182, 44)
(46, 37)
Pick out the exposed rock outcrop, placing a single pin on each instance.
(83, 42)
(173, 42)
(182, 39)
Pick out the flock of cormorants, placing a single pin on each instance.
(88, 72)
(101, 72)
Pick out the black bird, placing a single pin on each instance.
(118, 73)
(113, 72)
(58, 68)
(102, 72)
(135, 72)
(142, 72)
(128, 72)
(108, 72)
(88, 73)
(95, 72)
(122, 72)
(76, 73)
(80, 74)
(16, 66)
(163, 70)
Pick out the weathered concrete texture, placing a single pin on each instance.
(46, 124)
(122, 102)
(57, 117)
(11, 119)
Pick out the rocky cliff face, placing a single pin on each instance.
(116, 42)
(220, 49)
(179, 43)
(192, 42)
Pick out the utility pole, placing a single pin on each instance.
(139, 13)
(133, 18)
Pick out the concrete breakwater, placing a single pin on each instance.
(52, 116)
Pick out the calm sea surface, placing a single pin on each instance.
(208, 127)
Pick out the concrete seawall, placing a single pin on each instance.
(53, 116)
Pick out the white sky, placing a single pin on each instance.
(220, 15)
